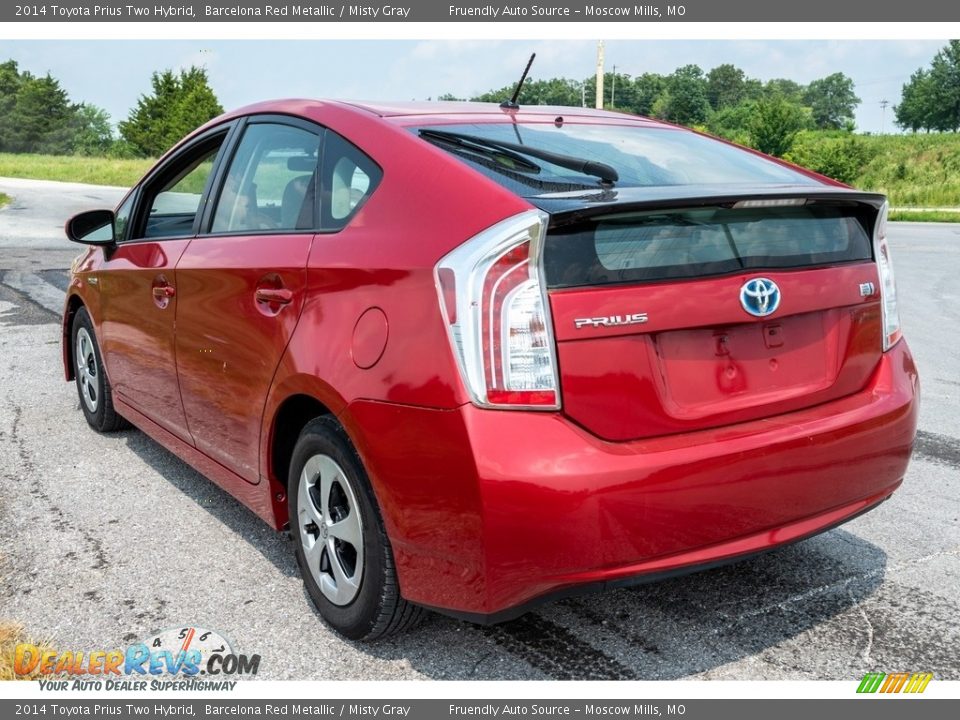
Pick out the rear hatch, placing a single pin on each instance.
(703, 307)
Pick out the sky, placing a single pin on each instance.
(113, 74)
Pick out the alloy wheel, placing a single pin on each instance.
(87, 370)
(331, 530)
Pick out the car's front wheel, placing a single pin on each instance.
(93, 386)
(342, 549)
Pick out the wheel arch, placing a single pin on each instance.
(73, 304)
(289, 419)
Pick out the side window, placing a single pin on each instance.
(348, 178)
(271, 182)
(174, 198)
(122, 219)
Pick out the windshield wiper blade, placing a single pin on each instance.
(519, 163)
(604, 172)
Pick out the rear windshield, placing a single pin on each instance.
(642, 156)
(644, 246)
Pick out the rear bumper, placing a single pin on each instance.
(488, 511)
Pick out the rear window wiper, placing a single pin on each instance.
(501, 155)
(604, 172)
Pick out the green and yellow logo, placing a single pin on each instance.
(894, 682)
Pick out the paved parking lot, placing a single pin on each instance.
(107, 539)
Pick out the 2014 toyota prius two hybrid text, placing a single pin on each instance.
(476, 357)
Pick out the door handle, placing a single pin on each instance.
(279, 296)
(164, 292)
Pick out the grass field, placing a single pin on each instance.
(917, 215)
(74, 168)
(914, 170)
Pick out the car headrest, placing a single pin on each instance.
(302, 163)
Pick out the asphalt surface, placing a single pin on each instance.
(108, 539)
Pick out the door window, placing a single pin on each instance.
(271, 181)
(174, 197)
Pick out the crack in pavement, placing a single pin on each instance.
(60, 518)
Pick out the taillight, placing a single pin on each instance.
(495, 305)
(888, 285)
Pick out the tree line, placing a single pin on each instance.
(38, 116)
(722, 101)
(766, 115)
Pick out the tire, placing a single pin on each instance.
(341, 546)
(93, 387)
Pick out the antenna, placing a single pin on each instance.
(511, 104)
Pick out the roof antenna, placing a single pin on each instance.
(511, 104)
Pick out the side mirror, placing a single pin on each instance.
(94, 227)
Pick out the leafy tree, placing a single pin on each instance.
(733, 123)
(774, 124)
(177, 105)
(647, 89)
(40, 119)
(752, 89)
(91, 132)
(787, 89)
(931, 99)
(620, 91)
(832, 101)
(945, 82)
(685, 99)
(9, 84)
(726, 86)
(557, 91)
(839, 155)
(916, 102)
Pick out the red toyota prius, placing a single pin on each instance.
(476, 357)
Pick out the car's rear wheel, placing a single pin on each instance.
(93, 386)
(342, 549)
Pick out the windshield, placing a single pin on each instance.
(642, 156)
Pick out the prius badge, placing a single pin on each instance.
(760, 296)
(611, 320)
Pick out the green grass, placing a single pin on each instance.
(70, 168)
(914, 171)
(4, 200)
(925, 216)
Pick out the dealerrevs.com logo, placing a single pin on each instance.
(182, 658)
(878, 682)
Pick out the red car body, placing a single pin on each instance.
(679, 442)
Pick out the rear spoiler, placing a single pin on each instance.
(573, 207)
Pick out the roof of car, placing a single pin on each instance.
(451, 108)
(443, 111)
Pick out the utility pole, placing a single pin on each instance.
(613, 87)
(883, 113)
(599, 98)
